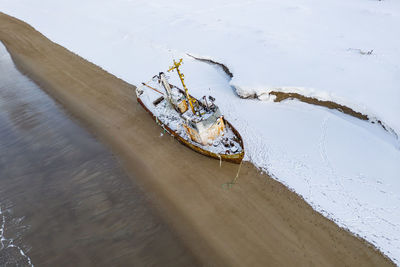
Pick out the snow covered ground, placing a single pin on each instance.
(347, 169)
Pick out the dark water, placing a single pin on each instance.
(64, 199)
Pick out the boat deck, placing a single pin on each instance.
(228, 146)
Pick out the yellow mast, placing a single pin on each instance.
(176, 66)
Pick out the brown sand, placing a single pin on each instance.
(258, 222)
(64, 198)
(281, 96)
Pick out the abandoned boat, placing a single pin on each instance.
(196, 124)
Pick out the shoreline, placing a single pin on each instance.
(62, 191)
(258, 222)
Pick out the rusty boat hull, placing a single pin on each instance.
(234, 158)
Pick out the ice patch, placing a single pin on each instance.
(9, 243)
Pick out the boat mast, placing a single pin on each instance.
(181, 76)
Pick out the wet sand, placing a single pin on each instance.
(64, 198)
(259, 222)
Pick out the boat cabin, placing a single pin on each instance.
(206, 130)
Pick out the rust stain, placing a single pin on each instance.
(193, 134)
(182, 106)
(206, 136)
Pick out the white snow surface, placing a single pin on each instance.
(347, 169)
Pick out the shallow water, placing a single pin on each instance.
(64, 198)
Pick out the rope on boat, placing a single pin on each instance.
(152, 88)
(234, 180)
(142, 86)
(220, 160)
(237, 174)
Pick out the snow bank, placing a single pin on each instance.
(345, 168)
(318, 49)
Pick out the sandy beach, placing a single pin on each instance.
(258, 222)
(65, 199)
